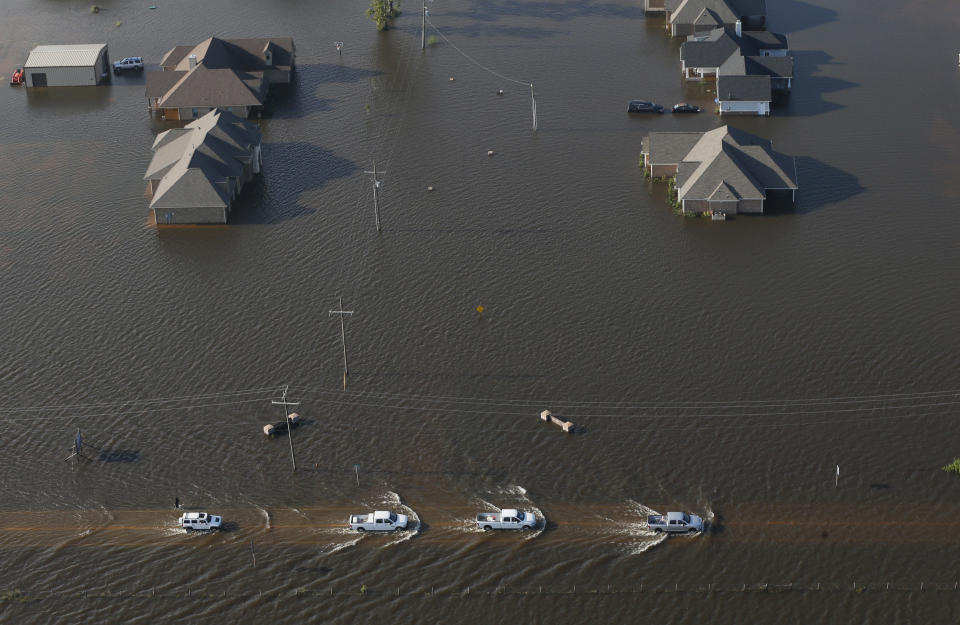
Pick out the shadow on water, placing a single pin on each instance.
(822, 185)
(301, 96)
(69, 100)
(275, 196)
(794, 15)
(809, 86)
(492, 11)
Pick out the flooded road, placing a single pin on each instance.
(723, 369)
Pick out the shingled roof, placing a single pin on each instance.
(727, 163)
(228, 72)
(198, 165)
(744, 88)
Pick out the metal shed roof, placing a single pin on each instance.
(73, 55)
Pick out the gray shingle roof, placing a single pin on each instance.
(711, 51)
(691, 11)
(725, 164)
(746, 8)
(764, 40)
(713, 48)
(203, 87)
(743, 88)
(667, 148)
(229, 72)
(199, 165)
(773, 66)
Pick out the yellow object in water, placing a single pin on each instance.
(480, 309)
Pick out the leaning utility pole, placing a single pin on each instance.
(376, 193)
(286, 419)
(343, 338)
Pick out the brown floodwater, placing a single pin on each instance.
(725, 369)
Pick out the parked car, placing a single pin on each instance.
(642, 106)
(506, 519)
(675, 523)
(199, 521)
(379, 521)
(683, 107)
(131, 62)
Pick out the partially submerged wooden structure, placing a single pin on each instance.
(566, 426)
(292, 421)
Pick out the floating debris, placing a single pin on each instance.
(500, 92)
(429, 188)
(489, 152)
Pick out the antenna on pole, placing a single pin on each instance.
(376, 193)
(286, 419)
(343, 338)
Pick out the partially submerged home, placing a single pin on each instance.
(744, 95)
(232, 74)
(74, 65)
(702, 55)
(197, 171)
(747, 65)
(686, 17)
(721, 172)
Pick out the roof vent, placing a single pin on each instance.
(192, 59)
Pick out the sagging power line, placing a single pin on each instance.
(533, 97)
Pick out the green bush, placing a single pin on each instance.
(953, 467)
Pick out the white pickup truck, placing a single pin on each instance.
(199, 521)
(506, 519)
(675, 523)
(379, 521)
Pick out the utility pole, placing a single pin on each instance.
(423, 26)
(533, 101)
(343, 338)
(77, 447)
(286, 419)
(376, 193)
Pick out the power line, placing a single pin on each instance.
(50, 408)
(533, 98)
(686, 404)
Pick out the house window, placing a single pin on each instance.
(196, 113)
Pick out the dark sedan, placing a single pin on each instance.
(683, 107)
(642, 106)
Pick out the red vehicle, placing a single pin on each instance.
(17, 78)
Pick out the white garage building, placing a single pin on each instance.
(67, 65)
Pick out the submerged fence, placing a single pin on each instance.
(386, 592)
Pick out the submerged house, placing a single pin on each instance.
(721, 172)
(231, 74)
(686, 17)
(747, 65)
(74, 65)
(196, 171)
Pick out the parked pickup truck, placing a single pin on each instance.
(199, 521)
(379, 521)
(675, 523)
(506, 519)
